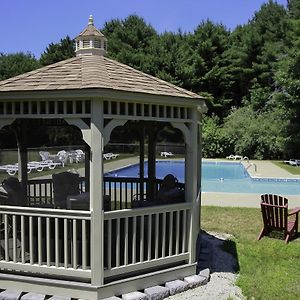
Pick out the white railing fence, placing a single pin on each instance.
(137, 239)
(48, 241)
(57, 242)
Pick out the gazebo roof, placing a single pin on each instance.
(90, 72)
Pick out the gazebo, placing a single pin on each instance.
(96, 253)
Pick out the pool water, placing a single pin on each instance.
(225, 177)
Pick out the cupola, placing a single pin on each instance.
(91, 41)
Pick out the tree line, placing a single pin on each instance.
(250, 76)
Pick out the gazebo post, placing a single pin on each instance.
(87, 167)
(96, 194)
(22, 156)
(192, 171)
(142, 159)
(151, 163)
(199, 140)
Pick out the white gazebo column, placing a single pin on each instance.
(192, 181)
(96, 194)
(199, 153)
(151, 164)
(22, 156)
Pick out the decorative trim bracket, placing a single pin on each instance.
(5, 122)
(85, 129)
(185, 131)
(110, 127)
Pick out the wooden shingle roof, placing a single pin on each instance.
(92, 71)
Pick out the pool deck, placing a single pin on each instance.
(256, 168)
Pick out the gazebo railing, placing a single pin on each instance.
(123, 191)
(143, 238)
(47, 241)
(40, 192)
(57, 243)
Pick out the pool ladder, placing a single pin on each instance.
(252, 164)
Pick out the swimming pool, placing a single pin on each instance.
(225, 177)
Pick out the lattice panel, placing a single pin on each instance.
(45, 108)
(146, 111)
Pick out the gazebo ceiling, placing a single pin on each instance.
(90, 72)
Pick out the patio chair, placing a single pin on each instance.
(166, 154)
(169, 192)
(64, 184)
(110, 155)
(80, 156)
(58, 159)
(276, 217)
(44, 155)
(11, 170)
(14, 191)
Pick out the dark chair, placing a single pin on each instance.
(64, 184)
(276, 217)
(169, 191)
(15, 194)
(82, 202)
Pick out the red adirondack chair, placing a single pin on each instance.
(276, 217)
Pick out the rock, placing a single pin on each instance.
(135, 296)
(176, 286)
(157, 292)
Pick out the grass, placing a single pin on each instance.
(269, 269)
(291, 169)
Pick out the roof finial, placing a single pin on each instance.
(91, 41)
(91, 20)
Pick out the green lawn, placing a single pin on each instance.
(269, 269)
(292, 169)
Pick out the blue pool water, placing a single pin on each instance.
(225, 177)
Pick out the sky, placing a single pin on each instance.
(31, 25)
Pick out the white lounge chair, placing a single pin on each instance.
(61, 157)
(76, 156)
(166, 154)
(236, 157)
(110, 155)
(44, 155)
(13, 169)
(293, 162)
(41, 165)
(80, 156)
(10, 169)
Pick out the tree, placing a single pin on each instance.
(57, 52)
(288, 91)
(294, 9)
(214, 142)
(209, 42)
(256, 135)
(131, 42)
(14, 64)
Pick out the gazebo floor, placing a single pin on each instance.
(76, 290)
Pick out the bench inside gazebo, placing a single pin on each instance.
(112, 235)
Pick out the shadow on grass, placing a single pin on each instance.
(217, 252)
(279, 235)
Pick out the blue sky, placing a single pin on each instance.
(30, 25)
